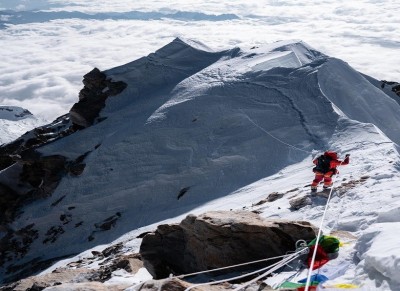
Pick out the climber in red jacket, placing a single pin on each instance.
(325, 168)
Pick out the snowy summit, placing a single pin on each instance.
(15, 121)
(190, 130)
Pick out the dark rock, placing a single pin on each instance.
(77, 169)
(129, 263)
(344, 187)
(112, 250)
(271, 197)
(97, 254)
(394, 85)
(97, 88)
(32, 266)
(218, 239)
(38, 286)
(9, 287)
(44, 173)
(65, 218)
(58, 201)
(107, 223)
(9, 202)
(300, 202)
(168, 285)
(53, 234)
(274, 196)
(38, 175)
(78, 224)
(142, 235)
(11, 152)
(58, 277)
(182, 192)
(7, 152)
(15, 244)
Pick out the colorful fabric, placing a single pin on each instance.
(315, 278)
(310, 288)
(298, 286)
(342, 286)
(330, 244)
(290, 285)
(321, 258)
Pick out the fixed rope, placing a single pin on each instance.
(228, 267)
(278, 266)
(274, 137)
(307, 286)
(273, 267)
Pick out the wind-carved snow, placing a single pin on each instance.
(229, 127)
(379, 256)
(355, 96)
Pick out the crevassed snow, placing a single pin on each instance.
(208, 122)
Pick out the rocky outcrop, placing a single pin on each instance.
(79, 275)
(217, 239)
(97, 88)
(394, 85)
(300, 202)
(175, 284)
(92, 98)
(11, 152)
(52, 279)
(36, 177)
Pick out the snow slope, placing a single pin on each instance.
(199, 130)
(15, 121)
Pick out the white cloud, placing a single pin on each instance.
(43, 63)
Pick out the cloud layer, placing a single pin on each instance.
(43, 62)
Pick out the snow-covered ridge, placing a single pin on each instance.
(199, 130)
(13, 113)
(15, 121)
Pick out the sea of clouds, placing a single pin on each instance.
(44, 55)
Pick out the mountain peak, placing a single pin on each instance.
(196, 129)
(195, 44)
(15, 121)
(14, 113)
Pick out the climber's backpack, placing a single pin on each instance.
(323, 164)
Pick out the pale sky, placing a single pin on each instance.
(44, 59)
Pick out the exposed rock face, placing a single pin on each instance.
(300, 202)
(93, 96)
(52, 279)
(77, 275)
(29, 175)
(37, 177)
(8, 201)
(11, 152)
(395, 86)
(217, 239)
